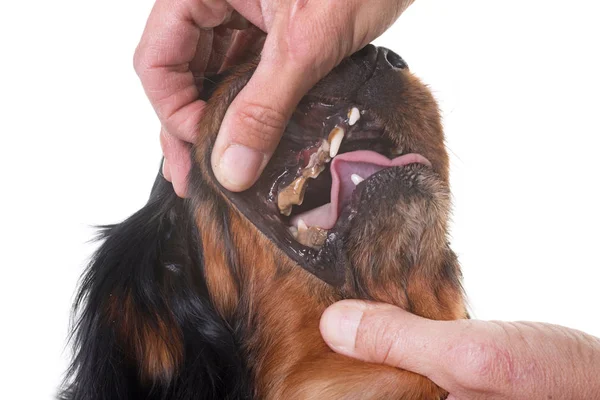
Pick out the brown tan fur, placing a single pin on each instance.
(150, 340)
(281, 304)
(221, 279)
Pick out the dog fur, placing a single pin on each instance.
(187, 299)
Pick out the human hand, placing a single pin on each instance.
(468, 358)
(182, 43)
(305, 41)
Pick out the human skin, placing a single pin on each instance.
(470, 359)
(305, 40)
(186, 39)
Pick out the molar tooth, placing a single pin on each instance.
(302, 227)
(356, 179)
(311, 236)
(353, 116)
(286, 211)
(335, 140)
(315, 166)
(291, 195)
(317, 161)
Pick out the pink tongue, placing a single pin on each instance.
(363, 163)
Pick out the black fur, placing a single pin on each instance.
(152, 261)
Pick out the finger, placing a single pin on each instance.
(254, 123)
(177, 152)
(167, 47)
(386, 334)
(470, 359)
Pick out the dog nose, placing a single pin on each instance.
(367, 53)
(388, 57)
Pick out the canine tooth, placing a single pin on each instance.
(335, 140)
(356, 179)
(353, 116)
(294, 231)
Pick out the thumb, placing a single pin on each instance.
(256, 119)
(385, 334)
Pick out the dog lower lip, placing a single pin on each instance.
(310, 126)
(330, 260)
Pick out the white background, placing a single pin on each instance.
(518, 85)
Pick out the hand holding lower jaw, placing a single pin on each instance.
(470, 359)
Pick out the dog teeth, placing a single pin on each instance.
(335, 140)
(353, 116)
(291, 195)
(310, 236)
(317, 161)
(397, 151)
(302, 227)
(356, 179)
(293, 231)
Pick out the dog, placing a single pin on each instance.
(219, 296)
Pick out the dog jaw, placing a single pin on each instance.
(389, 245)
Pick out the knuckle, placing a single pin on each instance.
(138, 60)
(305, 54)
(180, 189)
(480, 359)
(309, 53)
(386, 341)
(144, 56)
(166, 142)
(484, 365)
(377, 339)
(261, 125)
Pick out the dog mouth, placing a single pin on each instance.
(343, 150)
(328, 156)
(330, 171)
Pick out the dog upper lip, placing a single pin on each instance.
(363, 163)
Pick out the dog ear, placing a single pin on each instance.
(145, 322)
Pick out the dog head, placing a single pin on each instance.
(358, 186)
(207, 297)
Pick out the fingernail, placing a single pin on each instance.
(240, 165)
(339, 326)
